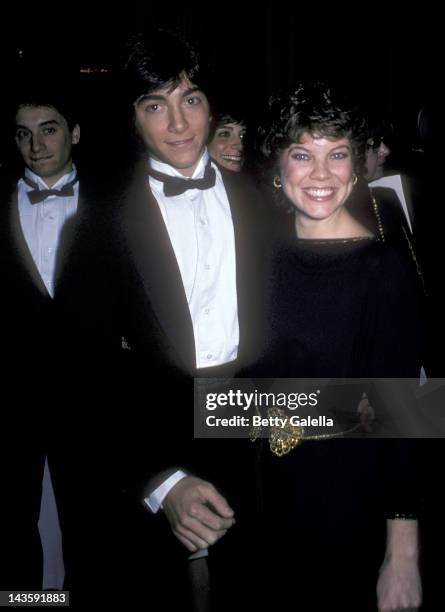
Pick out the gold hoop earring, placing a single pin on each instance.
(354, 180)
(277, 182)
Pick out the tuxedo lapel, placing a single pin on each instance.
(407, 192)
(20, 246)
(249, 249)
(158, 269)
(68, 238)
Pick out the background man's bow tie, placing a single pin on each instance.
(174, 185)
(38, 195)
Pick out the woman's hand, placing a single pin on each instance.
(399, 586)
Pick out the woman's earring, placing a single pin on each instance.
(355, 179)
(277, 182)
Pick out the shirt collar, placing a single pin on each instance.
(63, 180)
(167, 169)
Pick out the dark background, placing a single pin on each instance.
(392, 62)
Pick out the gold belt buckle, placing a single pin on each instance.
(284, 439)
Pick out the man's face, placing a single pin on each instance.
(45, 142)
(375, 161)
(174, 125)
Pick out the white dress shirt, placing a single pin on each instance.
(200, 227)
(42, 223)
(394, 182)
(199, 224)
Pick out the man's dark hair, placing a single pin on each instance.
(155, 59)
(378, 130)
(58, 87)
(65, 110)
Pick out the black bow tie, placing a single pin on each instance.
(174, 185)
(38, 195)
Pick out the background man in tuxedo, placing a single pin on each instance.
(175, 268)
(35, 206)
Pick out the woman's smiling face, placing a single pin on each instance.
(317, 175)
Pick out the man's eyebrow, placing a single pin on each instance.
(50, 122)
(42, 124)
(160, 98)
(148, 97)
(190, 90)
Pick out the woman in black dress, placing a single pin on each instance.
(339, 514)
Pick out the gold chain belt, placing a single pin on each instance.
(283, 440)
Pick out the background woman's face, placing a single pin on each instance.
(227, 145)
(317, 175)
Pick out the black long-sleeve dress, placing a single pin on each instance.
(340, 309)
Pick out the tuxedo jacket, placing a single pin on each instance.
(27, 309)
(31, 418)
(132, 347)
(135, 335)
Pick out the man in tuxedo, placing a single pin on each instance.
(35, 207)
(176, 272)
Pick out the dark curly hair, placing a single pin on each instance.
(157, 58)
(314, 108)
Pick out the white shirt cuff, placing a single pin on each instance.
(155, 499)
(199, 554)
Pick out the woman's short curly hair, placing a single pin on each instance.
(314, 108)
